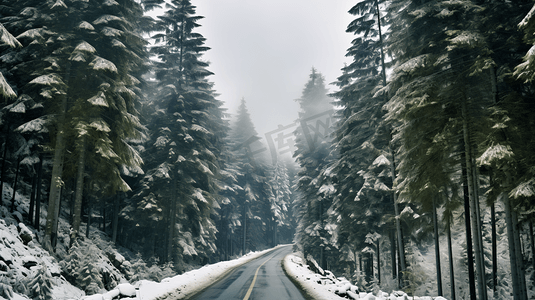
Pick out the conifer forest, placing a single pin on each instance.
(423, 147)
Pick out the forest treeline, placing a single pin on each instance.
(104, 127)
(433, 133)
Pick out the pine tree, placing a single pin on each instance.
(77, 70)
(280, 201)
(443, 88)
(229, 215)
(312, 155)
(254, 194)
(41, 285)
(179, 190)
(366, 164)
(7, 39)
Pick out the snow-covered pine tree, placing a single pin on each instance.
(440, 94)
(280, 202)
(312, 155)
(70, 264)
(41, 285)
(24, 137)
(8, 40)
(6, 92)
(253, 196)
(178, 192)
(362, 133)
(89, 278)
(229, 216)
(107, 64)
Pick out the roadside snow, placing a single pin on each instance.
(185, 285)
(327, 287)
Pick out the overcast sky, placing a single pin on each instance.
(264, 51)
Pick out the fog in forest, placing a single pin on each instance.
(263, 51)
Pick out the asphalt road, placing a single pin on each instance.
(259, 279)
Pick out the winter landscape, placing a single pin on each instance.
(127, 174)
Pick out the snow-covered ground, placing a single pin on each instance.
(329, 287)
(182, 286)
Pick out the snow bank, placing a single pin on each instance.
(21, 256)
(329, 287)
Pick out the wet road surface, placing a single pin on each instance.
(259, 279)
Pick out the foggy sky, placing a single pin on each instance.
(264, 51)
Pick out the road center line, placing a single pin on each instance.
(254, 280)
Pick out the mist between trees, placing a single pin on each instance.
(282, 140)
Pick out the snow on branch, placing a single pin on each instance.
(49, 79)
(5, 88)
(110, 3)
(100, 63)
(35, 125)
(524, 189)
(85, 25)
(412, 64)
(105, 19)
(111, 32)
(463, 38)
(98, 100)
(58, 4)
(527, 18)
(100, 126)
(494, 154)
(380, 161)
(19, 108)
(33, 34)
(86, 47)
(199, 196)
(7, 39)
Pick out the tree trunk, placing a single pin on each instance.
(89, 213)
(393, 253)
(15, 185)
(494, 247)
(471, 273)
(275, 234)
(172, 220)
(474, 207)
(245, 229)
(323, 261)
(103, 213)
(519, 257)
(115, 224)
(479, 224)
(450, 257)
(4, 161)
(532, 242)
(38, 194)
(378, 263)
(437, 249)
(56, 182)
(401, 250)
(31, 209)
(77, 212)
(517, 289)
(393, 165)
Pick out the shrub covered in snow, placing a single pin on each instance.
(40, 287)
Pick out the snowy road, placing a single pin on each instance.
(261, 278)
